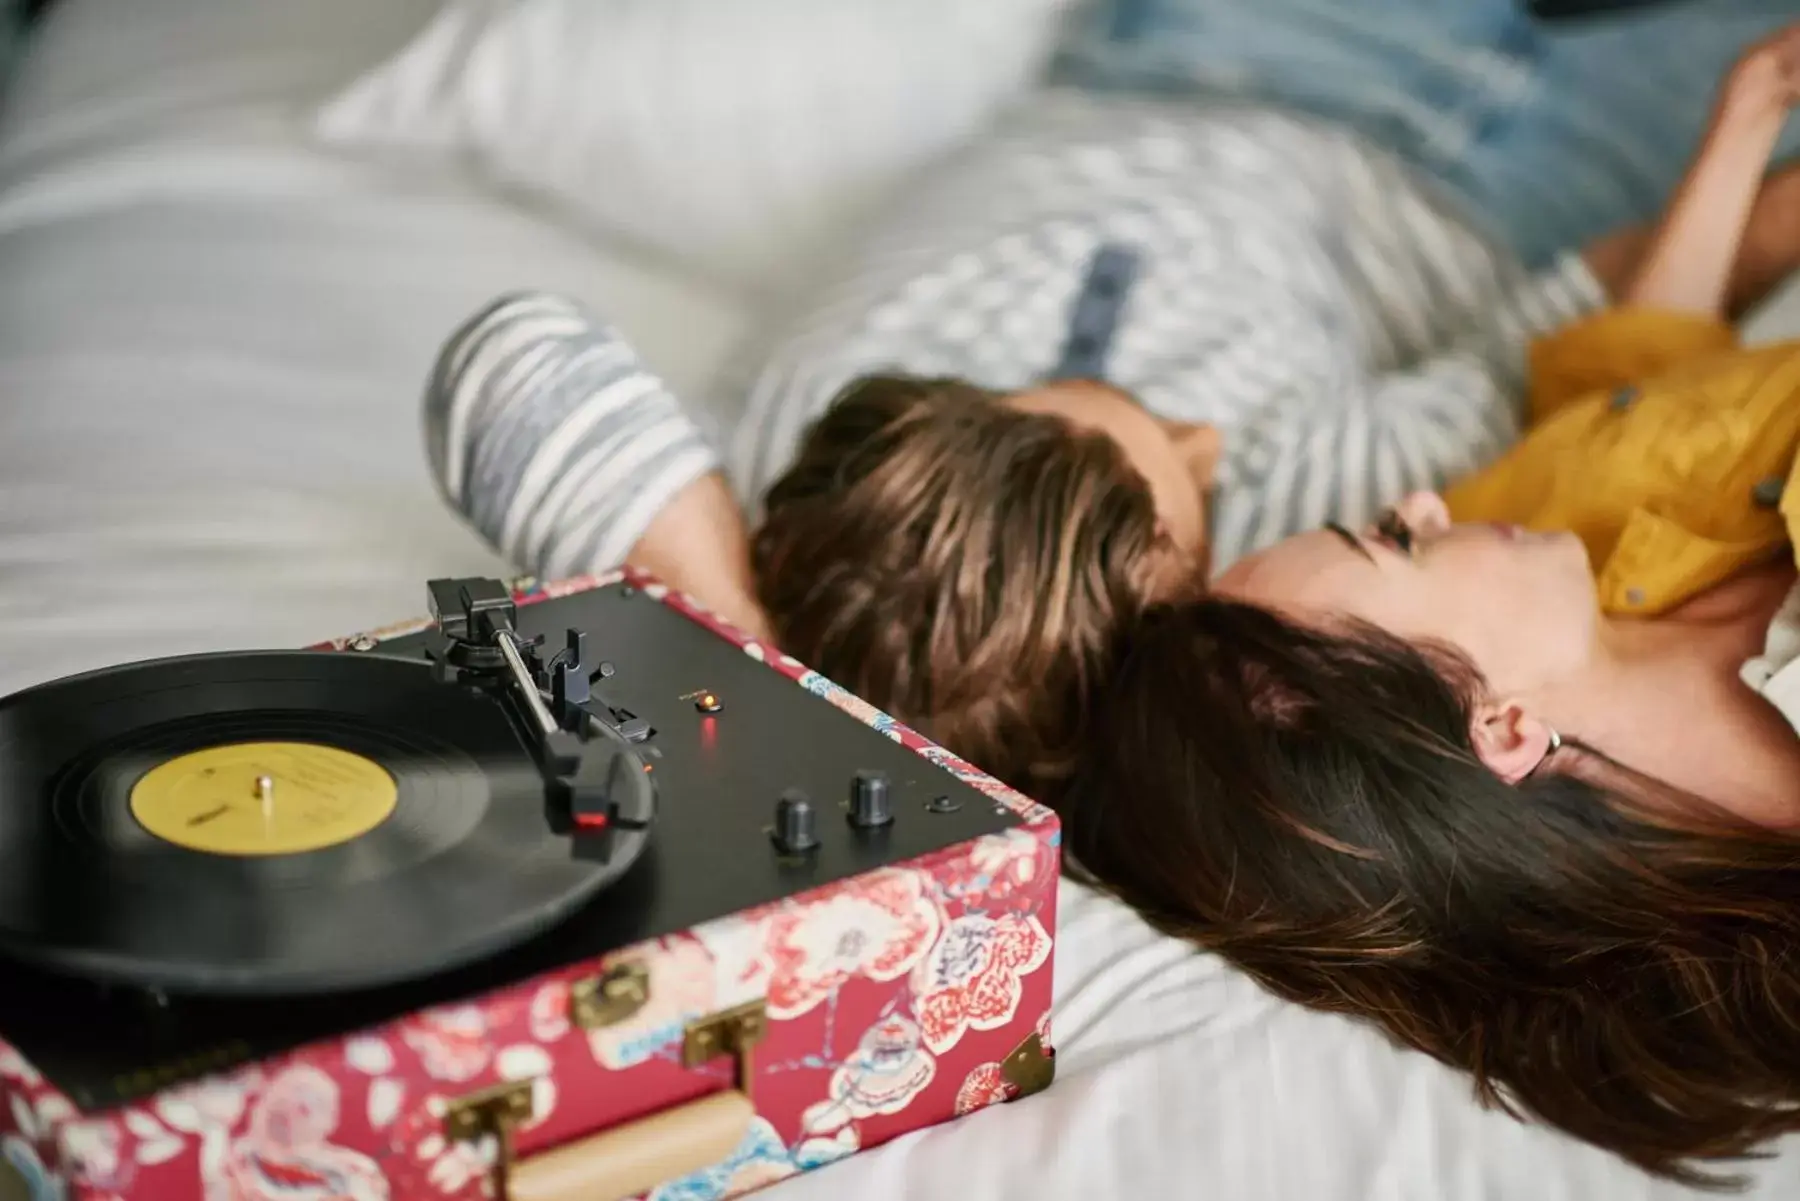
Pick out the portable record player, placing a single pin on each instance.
(566, 892)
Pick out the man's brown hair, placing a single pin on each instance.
(961, 564)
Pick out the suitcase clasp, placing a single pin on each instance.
(731, 1032)
(1029, 1067)
(611, 997)
(491, 1113)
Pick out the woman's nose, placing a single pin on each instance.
(1424, 513)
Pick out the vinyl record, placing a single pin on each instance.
(280, 822)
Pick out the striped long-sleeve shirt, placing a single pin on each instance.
(1293, 285)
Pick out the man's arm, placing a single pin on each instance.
(569, 456)
(698, 543)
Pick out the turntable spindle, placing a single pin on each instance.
(265, 788)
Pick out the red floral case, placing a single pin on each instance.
(890, 1001)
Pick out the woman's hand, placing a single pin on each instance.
(1689, 265)
(1763, 87)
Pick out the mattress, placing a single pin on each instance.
(212, 339)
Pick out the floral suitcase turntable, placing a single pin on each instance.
(701, 1061)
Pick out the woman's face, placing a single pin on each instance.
(1176, 459)
(1522, 605)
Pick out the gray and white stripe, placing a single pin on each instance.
(1300, 289)
(1353, 337)
(551, 437)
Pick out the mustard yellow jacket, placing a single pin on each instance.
(1671, 450)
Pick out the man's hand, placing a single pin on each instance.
(698, 544)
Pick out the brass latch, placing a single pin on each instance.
(1029, 1067)
(731, 1032)
(493, 1112)
(611, 997)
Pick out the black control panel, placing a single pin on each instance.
(763, 788)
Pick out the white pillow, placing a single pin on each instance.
(741, 136)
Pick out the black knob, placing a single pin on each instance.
(795, 823)
(869, 802)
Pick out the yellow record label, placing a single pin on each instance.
(264, 798)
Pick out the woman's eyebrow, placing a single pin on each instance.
(1356, 543)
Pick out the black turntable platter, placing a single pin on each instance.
(274, 823)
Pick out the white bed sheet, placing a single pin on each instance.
(213, 338)
(211, 344)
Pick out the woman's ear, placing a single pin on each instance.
(1510, 741)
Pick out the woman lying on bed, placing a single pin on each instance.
(1514, 773)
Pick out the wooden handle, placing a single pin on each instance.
(637, 1157)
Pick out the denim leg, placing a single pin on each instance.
(1550, 134)
(1614, 113)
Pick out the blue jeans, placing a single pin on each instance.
(1549, 135)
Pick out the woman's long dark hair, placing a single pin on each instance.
(1309, 804)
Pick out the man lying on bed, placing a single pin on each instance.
(961, 555)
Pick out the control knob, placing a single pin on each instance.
(796, 825)
(870, 804)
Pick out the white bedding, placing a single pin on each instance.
(211, 344)
(213, 338)
(1178, 1078)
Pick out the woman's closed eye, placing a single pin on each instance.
(1390, 532)
(1393, 528)
(1351, 540)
